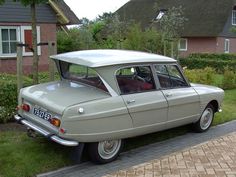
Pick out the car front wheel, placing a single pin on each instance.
(105, 151)
(205, 121)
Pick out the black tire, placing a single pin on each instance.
(97, 153)
(206, 119)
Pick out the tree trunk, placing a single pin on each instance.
(35, 49)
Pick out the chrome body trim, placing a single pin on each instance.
(43, 132)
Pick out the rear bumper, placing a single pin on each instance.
(43, 132)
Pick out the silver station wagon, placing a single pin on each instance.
(105, 96)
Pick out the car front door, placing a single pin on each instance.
(146, 105)
(183, 101)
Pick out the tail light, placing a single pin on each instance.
(24, 107)
(56, 122)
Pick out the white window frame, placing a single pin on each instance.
(17, 28)
(227, 46)
(234, 17)
(23, 28)
(186, 42)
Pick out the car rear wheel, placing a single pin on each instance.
(205, 121)
(105, 151)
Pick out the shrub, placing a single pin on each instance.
(203, 76)
(229, 81)
(8, 93)
(8, 96)
(213, 56)
(217, 64)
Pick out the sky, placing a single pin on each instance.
(92, 8)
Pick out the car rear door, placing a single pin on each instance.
(146, 105)
(183, 101)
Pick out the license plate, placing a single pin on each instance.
(42, 114)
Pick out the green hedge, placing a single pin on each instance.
(8, 93)
(213, 56)
(8, 96)
(216, 61)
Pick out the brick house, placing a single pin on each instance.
(207, 29)
(15, 26)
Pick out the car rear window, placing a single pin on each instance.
(81, 74)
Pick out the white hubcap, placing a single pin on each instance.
(206, 119)
(108, 149)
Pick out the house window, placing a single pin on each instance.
(26, 38)
(227, 45)
(234, 16)
(183, 45)
(11, 35)
(8, 39)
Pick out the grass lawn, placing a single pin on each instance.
(21, 156)
(229, 108)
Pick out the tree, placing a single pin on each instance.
(170, 25)
(32, 4)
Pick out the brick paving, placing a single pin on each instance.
(208, 154)
(213, 158)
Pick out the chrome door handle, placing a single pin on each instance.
(130, 101)
(168, 94)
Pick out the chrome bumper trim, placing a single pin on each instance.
(43, 132)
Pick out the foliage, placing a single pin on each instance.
(233, 29)
(76, 39)
(8, 96)
(134, 39)
(148, 40)
(213, 56)
(201, 63)
(203, 76)
(209, 76)
(228, 107)
(8, 93)
(229, 81)
(172, 22)
(65, 43)
(108, 31)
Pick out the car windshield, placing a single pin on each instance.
(82, 74)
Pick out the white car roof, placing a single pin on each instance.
(104, 57)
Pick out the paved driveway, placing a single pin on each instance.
(207, 154)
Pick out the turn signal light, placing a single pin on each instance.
(56, 122)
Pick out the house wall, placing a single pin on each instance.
(47, 33)
(199, 45)
(221, 45)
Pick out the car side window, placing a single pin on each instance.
(169, 76)
(135, 79)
